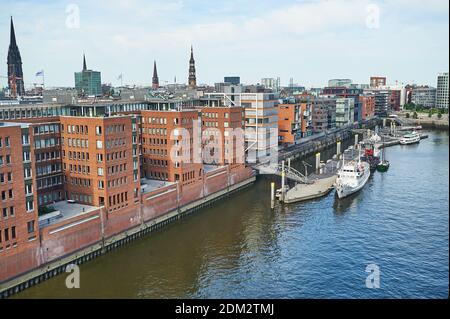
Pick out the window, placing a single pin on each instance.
(25, 139)
(98, 130)
(28, 189)
(99, 144)
(30, 206)
(27, 173)
(26, 156)
(100, 171)
(13, 232)
(30, 226)
(101, 184)
(7, 141)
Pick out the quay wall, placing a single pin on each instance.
(85, 236)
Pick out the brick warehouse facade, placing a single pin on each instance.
(98, 162)
(18, 217)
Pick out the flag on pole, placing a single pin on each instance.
(119, 77)
(40, 73)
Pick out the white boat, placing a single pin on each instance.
(351, 178)
(410, 138)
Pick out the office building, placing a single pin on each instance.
(88, 82)
(442, 96)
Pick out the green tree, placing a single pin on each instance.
(439, 114)
(415, 115)
(407, 115)
(430, 113)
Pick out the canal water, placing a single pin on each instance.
(240, 248)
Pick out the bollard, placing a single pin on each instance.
(282, 181)
(317, 162)
(338, 148)
(272, 195)
(356, 140)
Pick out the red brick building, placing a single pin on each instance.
(99, 166)
(223, 137)
(367, 106)
(165, 154)
(18, 205)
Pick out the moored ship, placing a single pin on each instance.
(410, 138)
(351, 178)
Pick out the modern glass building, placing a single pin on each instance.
(88, 82)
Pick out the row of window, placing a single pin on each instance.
(5, 160)
(154, 131)
(46, 129)
(7, 141)
(116, 128)
(154, 151)
(46, 142)
(118, 199)
(154, 120)
(83, 182)
(76, 129)
(49, 182)
(51, 197)
(46, 156)
(6, 235)
(81, 156)
(39, 112)
(7, 195)
(157, 175)
(8, 212)
(117, 142)
(76, 142)
(154, 141)
(117, 182)
(80, 169)
(83, 198)
(48, 169)
(155, 162)
(117, 168)
(5, 178)
(116, 155)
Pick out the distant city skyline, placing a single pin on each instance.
(309, 41)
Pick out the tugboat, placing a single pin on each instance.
(384, 164)
(371, 155)
(410, 138)
(351, 178)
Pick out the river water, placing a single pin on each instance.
(240, 248)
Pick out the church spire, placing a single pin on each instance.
(192, 80)
(14, 61)
(84, 62)
(155, 79)
(12, 39)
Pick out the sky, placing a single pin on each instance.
(310, 41)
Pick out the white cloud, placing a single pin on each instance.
(307, 40)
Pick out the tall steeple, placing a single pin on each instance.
(192, 80)
(155, 79)
(14, 61)
(12, 38)
(84, 63)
